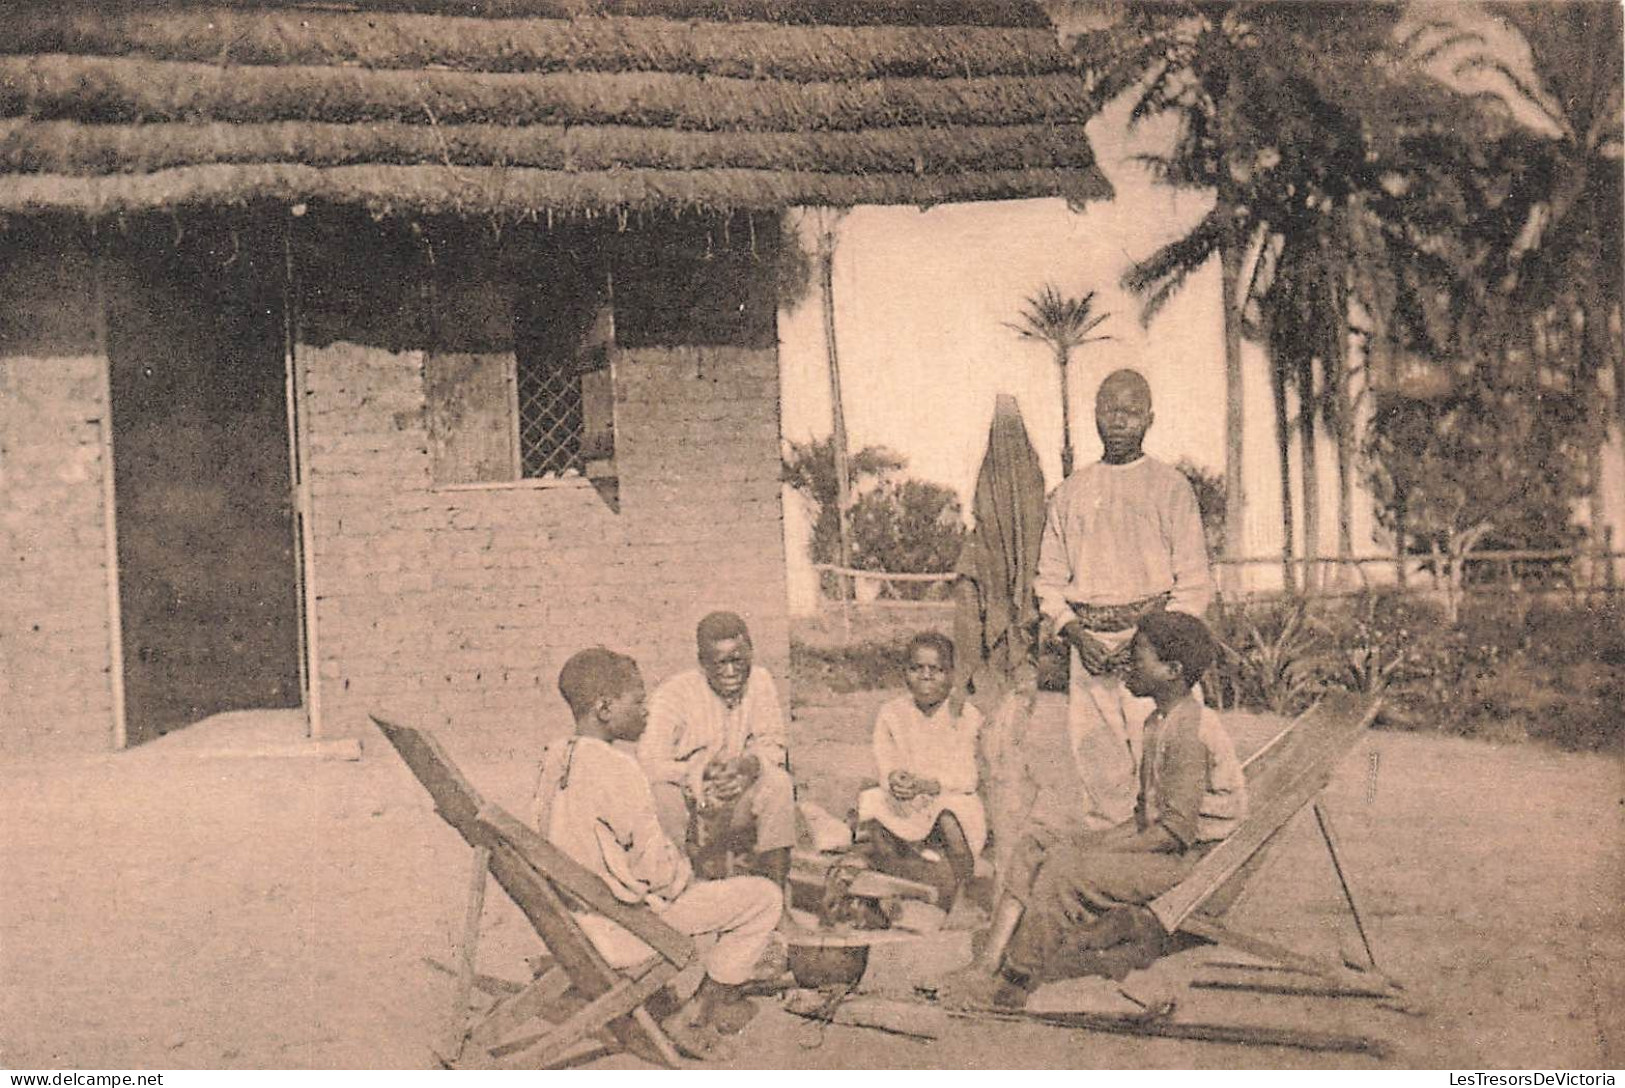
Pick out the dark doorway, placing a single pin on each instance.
(208, 583)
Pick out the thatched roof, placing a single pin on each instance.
(533, 106)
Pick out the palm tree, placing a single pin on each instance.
(1063, 323)
(1569, 260)
(1183, 61)
(1274, 104)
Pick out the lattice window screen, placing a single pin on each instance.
(551, 422)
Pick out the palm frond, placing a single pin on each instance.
(1532, 94)
(1064, 322)
(1157, 278)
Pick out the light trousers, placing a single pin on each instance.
(740, 912)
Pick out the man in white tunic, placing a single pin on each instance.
(1122, 538)
(715, 753)
(593, 802)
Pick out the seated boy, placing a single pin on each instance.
(594, 803)
(1079, 910)
(715, 753)
(926, 756)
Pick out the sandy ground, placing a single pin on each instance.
(166, 908)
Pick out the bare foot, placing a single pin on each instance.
(731, 1018)
(697, 1038)
(968, 987)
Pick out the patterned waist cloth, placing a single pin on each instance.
(1112, 618)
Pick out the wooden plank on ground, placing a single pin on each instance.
(1255, 946)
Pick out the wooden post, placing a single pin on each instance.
(843, 480)
(1324, 819)
(298, 464)
(115, 615)
(468, 947)
(1608, 558)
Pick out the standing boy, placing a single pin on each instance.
(593, 802)
(1122, 539)
(715, 749)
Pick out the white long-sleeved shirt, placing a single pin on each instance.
(593, 803)
(690, 725)
(1116, 534)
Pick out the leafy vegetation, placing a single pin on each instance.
(900, 526)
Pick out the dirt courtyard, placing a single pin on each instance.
(164, 908)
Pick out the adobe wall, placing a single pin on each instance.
(55, 687)
(455, 608)
(55, 656)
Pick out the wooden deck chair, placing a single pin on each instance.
(579, 1006)
(1284, 777)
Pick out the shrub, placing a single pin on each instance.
(903, 526)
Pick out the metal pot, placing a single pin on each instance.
(822, 962)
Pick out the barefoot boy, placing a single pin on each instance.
(1081, 912)
(593, 802)
(926, 756)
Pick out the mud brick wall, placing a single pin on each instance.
(455, 608)
(55, 689)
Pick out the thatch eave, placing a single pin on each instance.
(123, 90)
(525, 193)
(63, 147)
(1007, 13)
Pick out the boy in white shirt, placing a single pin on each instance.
(594, 803)
(926, 757)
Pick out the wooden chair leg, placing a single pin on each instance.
(1328, 835)
(625, 997)
(467, 953)
(657, 1038)
(1286, 957)
(511, 1014)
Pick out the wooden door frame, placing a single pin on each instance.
(304, 537)
(304, 542)
(115, 602)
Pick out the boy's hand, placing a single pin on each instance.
(1091, 651)
(902, 785)
(748, 767)
(721, 784)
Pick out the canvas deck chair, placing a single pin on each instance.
(579, 1006)
(1284, 777)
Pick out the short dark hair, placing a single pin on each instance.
(719, 627)
(594, 674)
(937, 641)
(1182, 639)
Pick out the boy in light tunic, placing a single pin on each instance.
(715, 748)
(926, 756)
(1122, 539)
(593, 802)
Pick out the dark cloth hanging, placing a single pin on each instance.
(996, 618)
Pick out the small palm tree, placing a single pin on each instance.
(1064, 324)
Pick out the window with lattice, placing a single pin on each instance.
(543, 411)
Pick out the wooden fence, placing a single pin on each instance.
(1572, 572)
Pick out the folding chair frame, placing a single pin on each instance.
(578, 1006)
(1281, 787)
